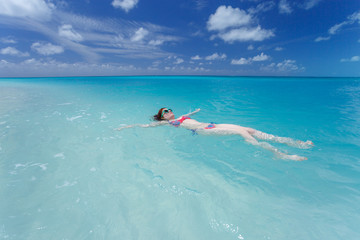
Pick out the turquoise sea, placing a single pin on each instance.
(66, 174)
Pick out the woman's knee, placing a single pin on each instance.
(251, 131)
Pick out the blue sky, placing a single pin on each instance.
(192, 37)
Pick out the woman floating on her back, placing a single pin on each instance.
(165, 116)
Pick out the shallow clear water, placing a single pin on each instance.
(66, 174)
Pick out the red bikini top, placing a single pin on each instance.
(176, 123)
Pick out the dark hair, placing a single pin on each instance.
(157, 117)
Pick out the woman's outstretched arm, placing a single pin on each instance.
(192, 113)
(154, 124)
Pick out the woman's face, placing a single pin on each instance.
(167, 114)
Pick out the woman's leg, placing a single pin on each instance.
(267, 146)
(248, 134)
(288, 141)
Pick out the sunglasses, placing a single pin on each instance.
(165, 111)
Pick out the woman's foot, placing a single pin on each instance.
(304, 145)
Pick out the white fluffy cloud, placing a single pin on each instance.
(68, 32)
(310, 4)
(334, 29)
(287, 65)
(179, 61)
(284, 7)
(139, 35)
(35, 9)
(47, 49)
(284, 66)
(160, 39)
(319, 39)
(287, 7)
(260, 58)
(353, 18)
(246, 34)
(215, 56)
(226, 17)
(257, 58)
(212, 57)
(89, 37)
(156, 42)
(8, 40)
(197, 57)
(262, 7)
(234, 24)
(126, 5)
(13, 52)
(241, 61)
(353, 59)
(32, 67)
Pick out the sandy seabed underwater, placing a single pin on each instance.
(66, 174)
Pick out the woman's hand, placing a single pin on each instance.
(121, 128)
(192, 113)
